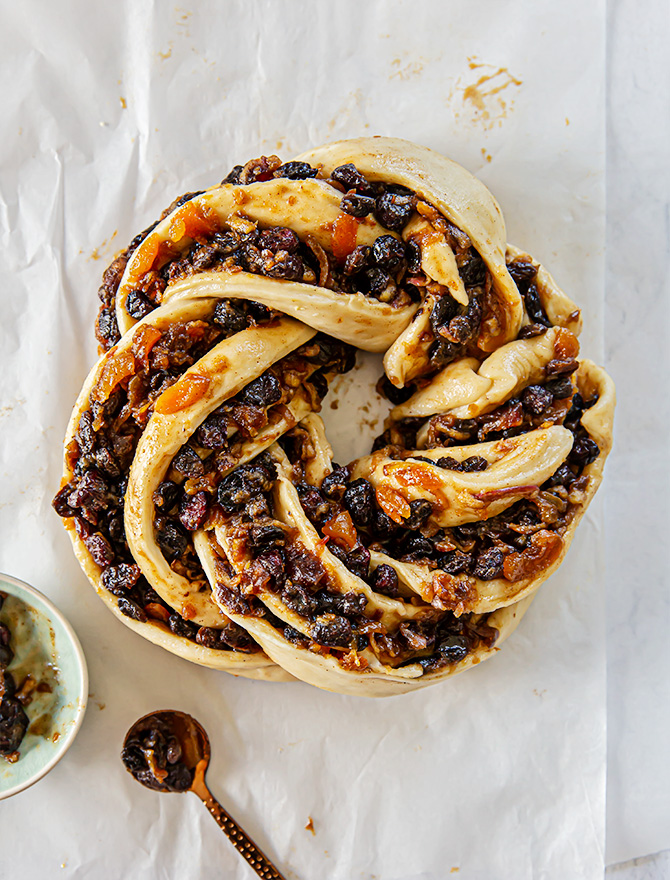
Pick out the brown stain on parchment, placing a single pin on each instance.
(489, 98)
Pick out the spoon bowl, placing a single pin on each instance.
(169, 751)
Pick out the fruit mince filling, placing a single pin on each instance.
(13, 718)
(388, 271)
(200, 481)
(102, 451)
(517, 543)
(335, 623)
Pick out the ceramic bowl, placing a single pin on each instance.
(42, 639)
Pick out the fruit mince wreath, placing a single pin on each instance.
(199, 488)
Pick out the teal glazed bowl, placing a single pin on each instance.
(45, 646)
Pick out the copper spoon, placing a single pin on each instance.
(170, 751)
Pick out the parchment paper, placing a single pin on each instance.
(109, 111)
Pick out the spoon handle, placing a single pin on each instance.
(239, 838)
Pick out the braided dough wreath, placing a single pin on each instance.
(199, 489)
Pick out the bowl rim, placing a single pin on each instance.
(69, 737)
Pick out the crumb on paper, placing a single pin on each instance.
(454, 870)
(485, 155)
(567, 121)
(310, 825)
(334, 404)
(167, 54)
(410, 69)
(123, 101)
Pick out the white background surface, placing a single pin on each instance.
(499, 773)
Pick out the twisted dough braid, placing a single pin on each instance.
(199, 488)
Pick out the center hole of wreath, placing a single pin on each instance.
(353, 412)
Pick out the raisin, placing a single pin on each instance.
(188, 462)
(394, 395)
(284, 265)
(316, 507)
(131, 609)
(473, 269)
(137, 305)
(333, 631)
(227, 243)
(534, 306)
(559, 367)
(560, 388)
(172, 541)
(393, 210)
(213, 433)
(296, 171)
(359, 499)
(455, 562)
(263, 391)
(320, 384)
(584, 451)
(358, 260)
(234, 175)
(420, 511)
(266, 536)
(181, 627)
(304, 570)
(356, 205)
(357, 560)
(442, 312)
(453, 648)
(413, 253)
(350, 177)
(297, 599)
(489, 564)
(563, 476)
(60, 504)
(388, 252)
(529, 331)
(245, 482)
(384, 580)
(415, 546)
(119, 579)
(279, 238)
(107, 329)
(383, 527)
(204, 257)
(334, 484)
(193, 510)
(379, 281)
(521, 270)
(536, 399)
(230, 316)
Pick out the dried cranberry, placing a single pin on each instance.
(193, 510)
